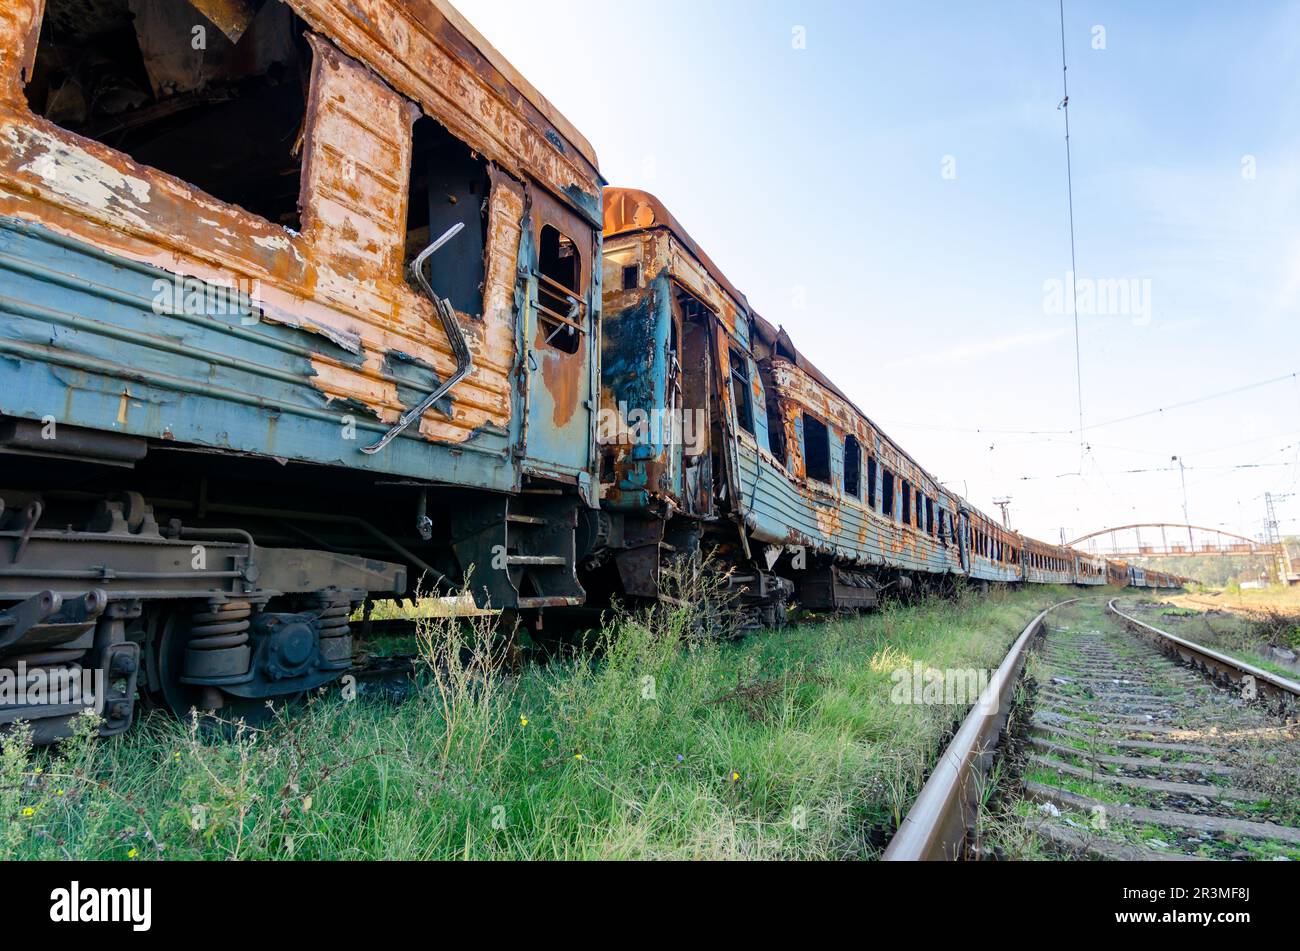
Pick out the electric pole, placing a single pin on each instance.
(1182, 475)
(1273, 538)
(1003, 503)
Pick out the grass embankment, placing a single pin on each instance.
(1247, 626)
(1282, 598)
(665, 744)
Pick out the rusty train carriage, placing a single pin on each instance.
(1048, 564)
(795, 468)
(208, 217)
(365, 333)
(796, 485)
(305, 303)
(1091, 570)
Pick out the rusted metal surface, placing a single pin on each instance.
(775, 498)
(376, 65)
(231, 17)
(937, 825)
(1221, 666)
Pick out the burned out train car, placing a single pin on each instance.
(299, 302)
(751, 451)
(718, 434)
(301, 306)
(1088, 569)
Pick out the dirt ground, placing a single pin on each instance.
(1261, 627)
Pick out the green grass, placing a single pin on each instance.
(663, 744)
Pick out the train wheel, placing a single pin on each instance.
(173, 638)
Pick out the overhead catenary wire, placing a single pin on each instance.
(1069, 186)
(1246, 387)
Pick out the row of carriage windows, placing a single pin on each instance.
(161, 83)
(1048, 562)
(914, 507)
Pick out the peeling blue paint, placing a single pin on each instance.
(81, 340)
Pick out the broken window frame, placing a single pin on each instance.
(742, 394)
(823, 456)
(552, 293)
(776, 441)
(852, 466)
(463, 299)
(299, 150)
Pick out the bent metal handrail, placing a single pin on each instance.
(455, 337)
(936, 827)
(1263, 683)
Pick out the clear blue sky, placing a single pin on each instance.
(831, 169)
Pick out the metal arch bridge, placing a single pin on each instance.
(1165, 540)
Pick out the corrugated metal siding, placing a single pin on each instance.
(779, 512)
(82, 340)
(986, 570)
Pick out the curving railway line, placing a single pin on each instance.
(1131, 744)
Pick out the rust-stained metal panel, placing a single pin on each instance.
(340, 276)
(776, 500)
(231, 17)
(416, 47)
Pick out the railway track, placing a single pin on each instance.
(1139, 745)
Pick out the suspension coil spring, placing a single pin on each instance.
(332, 613)
(51, 670)
(218, 650)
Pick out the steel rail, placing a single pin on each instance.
(1237, 672)
(937, 825)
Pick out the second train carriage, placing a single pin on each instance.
(718, 432)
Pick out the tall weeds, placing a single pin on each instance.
(667, 738)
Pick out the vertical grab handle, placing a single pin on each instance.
(459, 346)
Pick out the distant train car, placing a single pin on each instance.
(995, 552)
(1117, 573)
(1048, 564)
(784, 473)
(719, 435)
(1089, 569)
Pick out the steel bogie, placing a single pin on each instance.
(90, 612)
